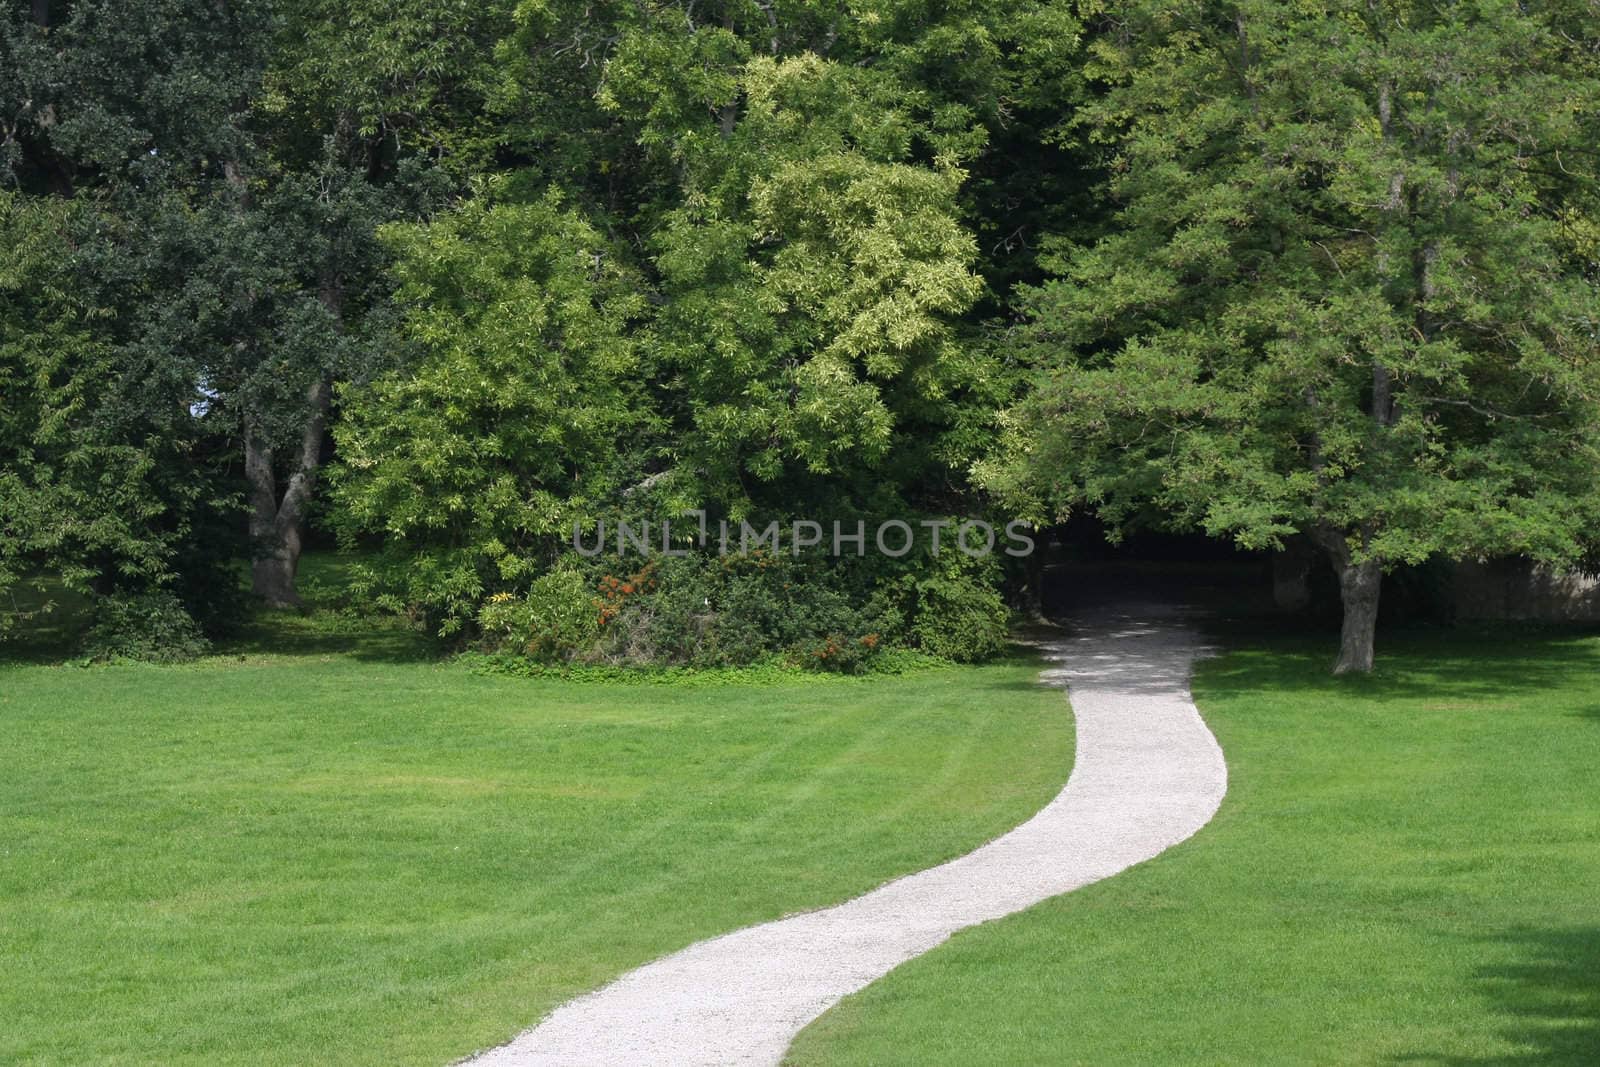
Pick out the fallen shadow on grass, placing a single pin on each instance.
(1444, 665)
(268, 634)
(1546, 1002)
(329, 625)
(1470, 662)
(378, 640)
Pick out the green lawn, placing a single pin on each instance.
(320, 848)
(1406, 870)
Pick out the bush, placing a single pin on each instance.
(151, 627)
(708, 611)
(959, 618)
(558, 619)
(845, 654)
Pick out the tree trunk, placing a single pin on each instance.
(272, 575)
(275, 521)
(1359, 584)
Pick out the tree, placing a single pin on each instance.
(1349, 289)
(773, 240)
(748, 150)
(288, 296)
(805, 242)
(113, 477)
(811, 279)
(364, 111)
(519, 416)
(222, 241)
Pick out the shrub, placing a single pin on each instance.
(713, 611)
(666, 619)
(707, 611)
(558, 619)
(152, 627)
(845, 654)
(959, 618)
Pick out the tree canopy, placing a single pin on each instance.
(1259, 269)
(1349, 289)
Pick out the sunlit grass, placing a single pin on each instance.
(1405, 870)
(322, 845)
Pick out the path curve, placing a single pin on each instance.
(1148, 774)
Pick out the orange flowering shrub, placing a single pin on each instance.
(615, 592)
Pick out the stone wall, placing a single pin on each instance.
(1521, 589)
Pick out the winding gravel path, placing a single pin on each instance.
(1148, 775)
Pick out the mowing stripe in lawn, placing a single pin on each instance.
(1148, 775)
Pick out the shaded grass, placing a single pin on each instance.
(318, 846)
(328, 625)
(1405, 870)
(40, 621)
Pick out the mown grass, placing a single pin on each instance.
(1406, 870)
(323, 845)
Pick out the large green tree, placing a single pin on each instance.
(1349, 290)
(810, 277)
(102, 470)
(289, 294)
(522, 412)
(228, 164)
(366, 113)
(113, 476)
(780, 187)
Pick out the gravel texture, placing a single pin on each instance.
(1148, 774)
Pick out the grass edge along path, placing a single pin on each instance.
(1148, 774)
(1403, 872)
(321, 857)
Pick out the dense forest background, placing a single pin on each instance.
(440, 280)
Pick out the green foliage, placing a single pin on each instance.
(392, 80)
(959, 619)
(1343, 293)
(517, 417)
(56, 365)
(554, 621)
(709, 611)
(811, 277)
(562, 261)
(149, 627)
(109, 480)
(717, 250)
(770, 672)
(957, 612)
(126, 96)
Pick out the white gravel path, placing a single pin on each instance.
(1148, 774)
